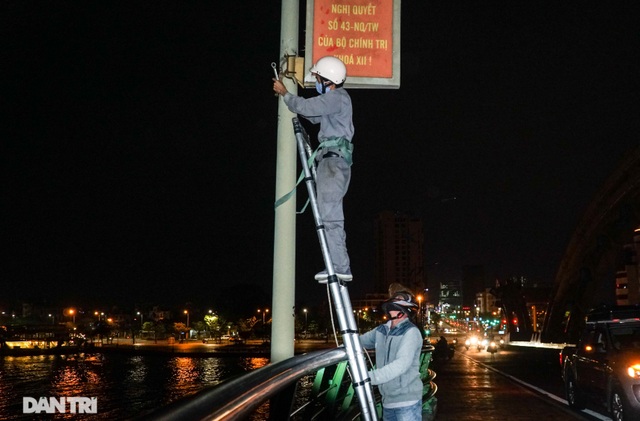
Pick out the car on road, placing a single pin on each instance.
(604, 366)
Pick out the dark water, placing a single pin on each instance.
(125, 386)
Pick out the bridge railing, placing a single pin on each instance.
(288, 390)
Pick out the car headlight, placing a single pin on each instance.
(634, 371)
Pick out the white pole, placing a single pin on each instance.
(284, 253)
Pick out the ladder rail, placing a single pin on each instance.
(309, 179)
(339, 293)
(309, 150)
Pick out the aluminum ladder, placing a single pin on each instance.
(339, 293)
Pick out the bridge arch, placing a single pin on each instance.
(586, 276)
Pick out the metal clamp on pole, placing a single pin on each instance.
(339, 292)
(295, 69)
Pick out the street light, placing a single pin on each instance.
(264, 314)
(142, 318)
(72, 313)
(187, 313)
(305, 320)
(210, 320)
(427, 308)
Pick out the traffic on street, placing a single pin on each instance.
(520, 381)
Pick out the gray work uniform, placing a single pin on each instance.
(334, 112)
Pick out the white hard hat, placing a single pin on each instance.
(330, 68)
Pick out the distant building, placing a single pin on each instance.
(487, 302)
(40, 310)
(622, 288)
(450, 298)
(627, 280)
(399, 241)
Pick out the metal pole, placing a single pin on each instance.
(284, 256)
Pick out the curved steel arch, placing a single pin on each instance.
(587, 273)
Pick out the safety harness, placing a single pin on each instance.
(340, 145)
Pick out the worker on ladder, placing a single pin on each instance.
(333, 111)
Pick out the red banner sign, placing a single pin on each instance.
(359, 32)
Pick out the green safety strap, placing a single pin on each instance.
(288, 195)
(346, 149)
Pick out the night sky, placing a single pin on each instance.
(139, 143)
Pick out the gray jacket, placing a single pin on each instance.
(332, 110)
(397, 371)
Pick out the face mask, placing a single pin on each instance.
(320, 88)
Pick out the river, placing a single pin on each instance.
(126, 386)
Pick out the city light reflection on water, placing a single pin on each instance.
(125, 386)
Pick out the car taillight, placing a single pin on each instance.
(634, 371)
